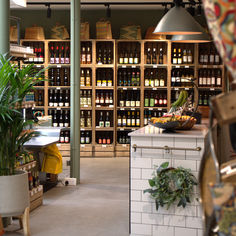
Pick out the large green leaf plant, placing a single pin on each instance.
(15, 83)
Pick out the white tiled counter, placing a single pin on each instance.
(144, 218)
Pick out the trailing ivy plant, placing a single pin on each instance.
(171, 186)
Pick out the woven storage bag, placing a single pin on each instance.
(84, 31)
(59, 32)
(103, 29)
(34, 32)
(132, 32)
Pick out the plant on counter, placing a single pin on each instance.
(171, 185)
(15, 84)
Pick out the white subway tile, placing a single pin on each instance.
(173, 220)
(157, 162)
(163, 141)
(187, 211)
(135, 195)
(188, 164)
(194, 222)
(153, 219)
(185, 142)
(147, 173)
(200, 143)
(142, 141)
(199, 232)
(146, 197)
(145, 207)
(178, 154)
(163, 210)
(185, 232)
(141, 162)
(139, 184)
(135, 173)
(136, 217)
(152, 152)
(199, 211)
(163, 231)
(141, 229)
(193, 155)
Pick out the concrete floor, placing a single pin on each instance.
(97, 207)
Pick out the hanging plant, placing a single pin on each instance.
(171, 186)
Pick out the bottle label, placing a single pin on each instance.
(190, 59)
(51, 104)
(60, 124)
(100, 141)
(126, 60)
(66, 124)
(55, 104)
(101, 123)
(54, 124)
(132, 104)
(122, 103)
(133, 122)
(57, 60)
(62, 139)
(137, 103)
(127, 104)
(82, 140)
(124, 122)
(174, 60)
(60, 104)
(67, 60)
(128, 122)
(135, 60)
(107, 123)
(121, 60)
(67, 104)
(87, 140)
(131, 61)
(108, 141)
(137, 122)
(119, 122)
(62, 60)
(218, 81)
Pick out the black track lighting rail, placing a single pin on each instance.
(190, 2)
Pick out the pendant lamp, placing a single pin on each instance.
(191, 38)
(178, 21)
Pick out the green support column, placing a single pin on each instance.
(4, 26)
(75, 89)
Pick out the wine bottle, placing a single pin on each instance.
(61, 120)
(107, 120)
(50, 98)
(67, 99)
(55, 99)
(67, 58)
(62, 54)
(52, 60)
(82, 119)
(161, 59)
(89, 55)
(60, 100)
(128, 119)
(83, 56)
(148, 59)
(66, 119)
(57, 56)
(101, 120)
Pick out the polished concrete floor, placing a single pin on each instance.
(97, 207)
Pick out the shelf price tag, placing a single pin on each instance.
(212, 89)
(96, 105)
(38, 66)
(134, 88)
(58, 66)
(132, 109)
(186, 88)
(82, 129)
(122, 129)
(122, 109)
(133, 66)
(159, 109)
(154, 88)
(98, 127)
(104, 146)
(123, 66)
(154, 66)
(177, 89)
(124, 145)
(82, 145)
(177, 66)
(58, 108)
(133, 129)
(111, 105)
(186, 66)
(58, 88)
(150, 109)
(124, 88)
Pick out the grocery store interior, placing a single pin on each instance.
(130, 118)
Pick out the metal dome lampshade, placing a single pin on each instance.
(191, 38)
(178, 21)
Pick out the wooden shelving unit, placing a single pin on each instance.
(116, 149)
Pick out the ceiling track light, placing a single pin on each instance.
(49, 10)
(108, 10)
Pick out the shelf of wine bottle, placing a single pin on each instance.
(86, 53)
(155, 77)
(204, 97)
(39, 97)
(104, 137)
(85, 137)
(59, 77)
(85, 98)
(59, 53)
(123, 138)
(208, 55)
(128, 77)
(65, 136)
(155, 98)
(104, 78)
(129, 53)
(209, 78)
(59, 98)
(182, 54)
(182, 77)
(155, 53)
(104, 53)
(38, 50)
(60, 118)
(128, 119)
(85, 119)
(104, 98)
(104, 119)
(129, 98)
(85, 78)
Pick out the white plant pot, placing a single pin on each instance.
(14, 194)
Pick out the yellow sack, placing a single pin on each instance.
(52, 162)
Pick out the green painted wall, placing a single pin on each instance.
(144, 18)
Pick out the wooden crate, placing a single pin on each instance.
(36, 197)
(122, 150)
(104, 151)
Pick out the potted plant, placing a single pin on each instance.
(15, 83)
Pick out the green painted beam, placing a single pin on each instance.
(4, 26)
(75, 90)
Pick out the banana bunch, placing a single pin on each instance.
(181, 99)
